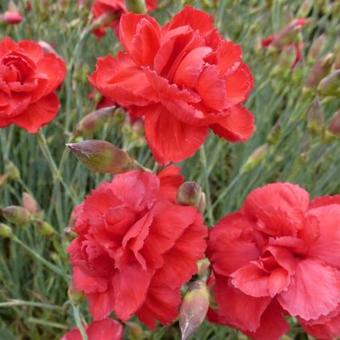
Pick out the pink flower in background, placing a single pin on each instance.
(278, 255)
(12, 17)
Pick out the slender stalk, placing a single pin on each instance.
(77, 319)
(14, 302)
(38, 257)
(53, 167)
(206, 185)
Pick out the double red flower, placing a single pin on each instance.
(183, 78)
(113, 8)
(106, 329)
(136, 247)
(28, 79)
(278, 255)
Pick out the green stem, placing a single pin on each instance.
(53, 167)
(206, 185)
(48, 264)
(14, 302)
(77, 319)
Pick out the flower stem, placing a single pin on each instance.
(206, 185)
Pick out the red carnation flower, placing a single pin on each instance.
(28, 79)
(106, 329)
(184, 78)
(114, 8)
(288, 37)
(278, 255)
(136, 247)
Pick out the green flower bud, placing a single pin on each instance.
(45, 228)
(93, 121)
(11, 170)
(16, 215)
(330, 85)
(5, 231)
(255, 158)
(194, 308)
(102, 156)
(189, 193)
(136, 6)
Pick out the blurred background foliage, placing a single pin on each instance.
(293, 142)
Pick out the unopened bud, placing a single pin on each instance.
(3, 180)
(189, 193)
(202, 203)
(16, 215)
(334, 126)
(5, 231)
(102, 156)
(136, 6)
(30, 203)
(93, 121)
(316, 47)
(336, 64)
(255, 158)
(11, 170)
(45, 228)
(330, 85)
(274, 134)
(135, 331)
(304, 9)
(319, 70)
(11, 17)
(203, 269)
(194, 309)
(74, 295)
(315, 118)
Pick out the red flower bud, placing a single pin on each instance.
(102, 156)
(194, 309)
(16, 215)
